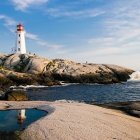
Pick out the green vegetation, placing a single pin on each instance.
(3, 68)
(22, 64)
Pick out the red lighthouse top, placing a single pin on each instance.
(20, 27)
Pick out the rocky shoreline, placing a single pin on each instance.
(24, 69)
(131, 108)
(67, 120)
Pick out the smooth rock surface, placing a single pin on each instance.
(77, 121)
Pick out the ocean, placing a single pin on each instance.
(92, 93)
(96, 93)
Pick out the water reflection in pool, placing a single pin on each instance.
(16, 120)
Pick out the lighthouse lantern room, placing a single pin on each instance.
(20, 42)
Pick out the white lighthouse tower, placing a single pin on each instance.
(20, 42)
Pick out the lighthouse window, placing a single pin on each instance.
(19, 35)
(19, 42)
(18, 49)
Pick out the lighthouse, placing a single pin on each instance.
(20, 41)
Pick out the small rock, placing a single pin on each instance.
(16, 95)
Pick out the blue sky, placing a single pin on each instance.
(97, 31)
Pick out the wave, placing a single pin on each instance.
(27, 87)
(135, 76)
(21, 87)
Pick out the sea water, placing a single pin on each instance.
(96, 93)
(9, 121)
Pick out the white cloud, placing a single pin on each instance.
(85, 13)
(106, 41)
(74, 9)
(10, 24)
(49, 45)
(43, 42)
(32, 36)
(24, 4)
(118, 40)
(8, 21)
(121, 31)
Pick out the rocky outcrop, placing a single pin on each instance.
(65, 70)
(11, 78)
(131, 107)
(14, 95)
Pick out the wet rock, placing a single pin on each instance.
(4, 83)
(9, 136)
(16, 95)
(131, 107)
(2, 95)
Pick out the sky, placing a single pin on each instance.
(96, 31)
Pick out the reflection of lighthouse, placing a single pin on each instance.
(21, 115)
(20, 44)
(21, 118)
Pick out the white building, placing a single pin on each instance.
(20, 42)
